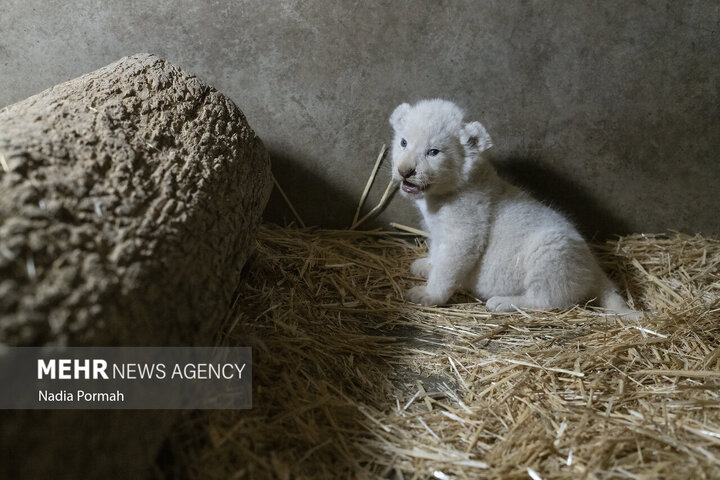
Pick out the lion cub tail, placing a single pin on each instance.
(611, 300)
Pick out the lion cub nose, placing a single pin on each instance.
(406, 172)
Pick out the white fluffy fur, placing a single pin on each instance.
(486, 235)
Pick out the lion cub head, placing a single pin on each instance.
(434, 150)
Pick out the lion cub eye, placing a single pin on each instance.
(403, 143)
(432, 152)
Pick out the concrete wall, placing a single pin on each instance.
(609, 109)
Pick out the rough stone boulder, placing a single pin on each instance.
(129, 201)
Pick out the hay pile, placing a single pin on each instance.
(352, 382)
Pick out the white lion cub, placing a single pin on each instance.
(486, 235)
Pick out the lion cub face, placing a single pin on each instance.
(433, 150)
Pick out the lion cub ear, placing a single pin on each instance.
(399, 114)
(475, 138)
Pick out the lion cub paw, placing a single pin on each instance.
(420, 295)
(421, 267)
(500, 304)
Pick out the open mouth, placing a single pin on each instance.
(411, 187)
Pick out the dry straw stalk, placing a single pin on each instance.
(351, 381)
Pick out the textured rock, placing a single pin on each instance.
(130, 197)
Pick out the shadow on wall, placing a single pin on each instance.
(332, 207)
(303, 188)
(560, 192)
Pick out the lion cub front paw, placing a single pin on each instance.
(500, 304)
(421, 296)
(421, 267)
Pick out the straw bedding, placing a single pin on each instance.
(350, 381)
